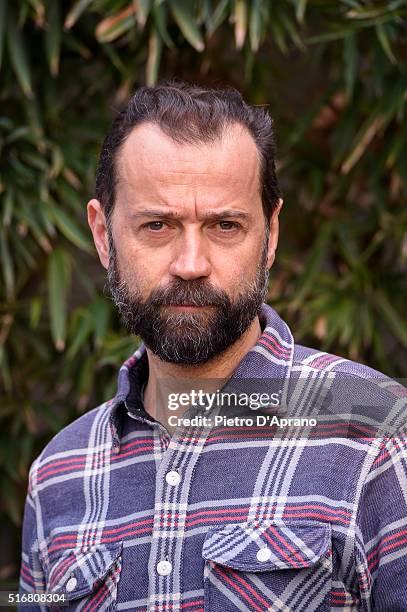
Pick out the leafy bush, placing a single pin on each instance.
(334, 77)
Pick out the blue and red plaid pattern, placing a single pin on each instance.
(257, 520)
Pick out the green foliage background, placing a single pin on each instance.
(334, 75)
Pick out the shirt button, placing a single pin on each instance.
(172, 478)
(164, 568)
(263, 554)
(71, 584)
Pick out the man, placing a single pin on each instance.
(130, 508)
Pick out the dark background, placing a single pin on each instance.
(333, 75)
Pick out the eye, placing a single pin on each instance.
(228, 225)
(154, 225)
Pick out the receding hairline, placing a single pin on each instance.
(230, 130)
(189, 114)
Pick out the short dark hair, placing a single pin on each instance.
(189, 114)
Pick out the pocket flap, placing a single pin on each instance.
(268, 545)
(77, 571)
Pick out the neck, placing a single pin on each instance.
(183, 378)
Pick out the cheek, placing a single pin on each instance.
(234, 273)
(242, 259)
(140, 271)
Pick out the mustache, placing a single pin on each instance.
(194, 293)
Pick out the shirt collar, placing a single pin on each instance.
(269, 359)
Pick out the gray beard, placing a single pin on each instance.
(187, 337)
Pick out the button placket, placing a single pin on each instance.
(171, 489)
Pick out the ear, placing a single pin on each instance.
(273, 237)
(97, 222)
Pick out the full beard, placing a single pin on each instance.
(188, 337)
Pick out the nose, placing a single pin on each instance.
(190, 259)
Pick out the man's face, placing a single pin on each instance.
(189, 255)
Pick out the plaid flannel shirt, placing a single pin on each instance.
(122, 516)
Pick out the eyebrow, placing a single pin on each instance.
(211, 215)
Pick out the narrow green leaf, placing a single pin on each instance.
(292, 30)
(100, 312)
(18, 55)
(23, 13)
(154, 57)
(159, 13)
(53, 35)
(34, 120)
(7, 265)
(5, 370)
(240, 19)
(35, 312)
(350, 55)
(255, 26)
(38, 6)
(277, 34)
(46, 218)
(76, 11)
(33, 160)
(8, 207)
(363, 139)
(248, 65)
(86, 375)
(397, 146)
(143, 8)
(336, 34)
(57, 159)
(381, 32)
(301, 6)
(85, 381)
(27, 214)
(205, 11)
(373, 12)
(25, 174)
(19, 133)
(22, 252)
(3, 13)
(59, 272)
(186, 21)
(69, 228)
(393, 103)
(81, 334)
(351, 3)
(218, 16)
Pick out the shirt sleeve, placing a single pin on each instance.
(32, 578)
(381, 530)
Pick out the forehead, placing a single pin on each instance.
(149, 160)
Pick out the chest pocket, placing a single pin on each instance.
(85, 579)
(268, 566)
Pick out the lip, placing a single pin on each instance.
(187, 306)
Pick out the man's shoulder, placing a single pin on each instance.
(353, 387)
(91, 429)
(307, 357)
